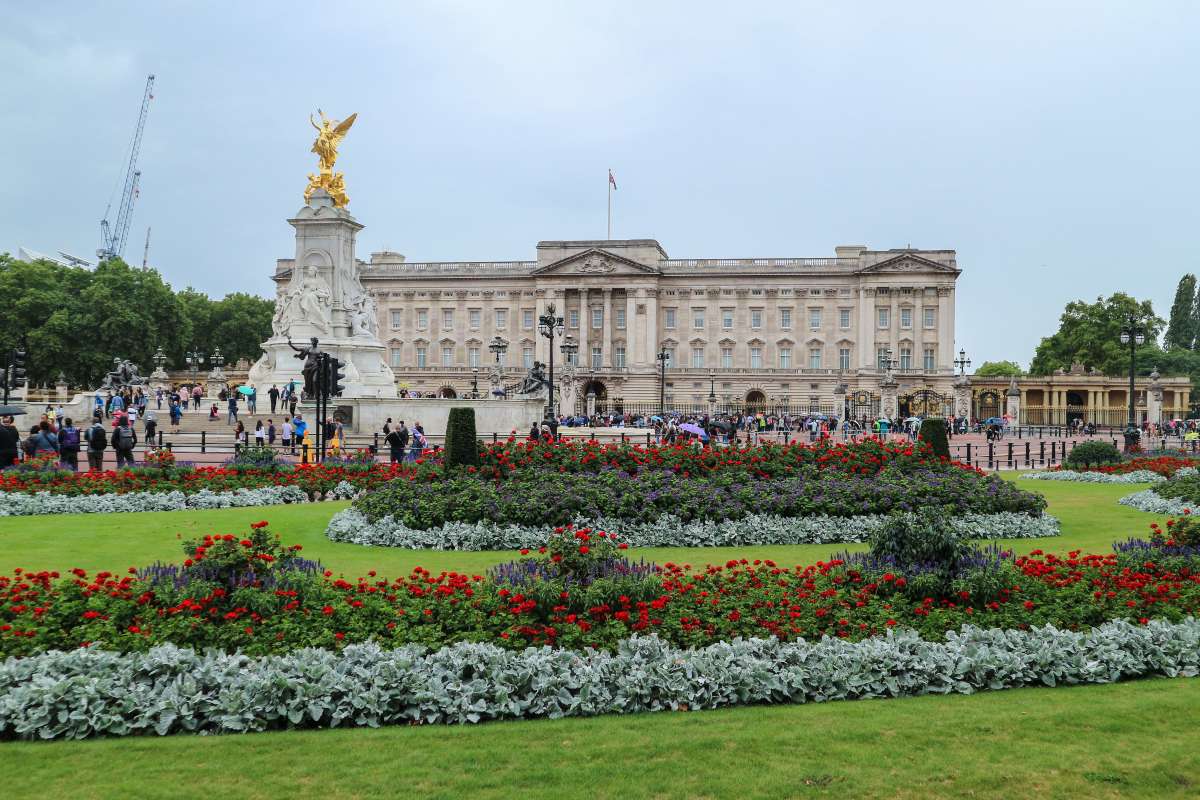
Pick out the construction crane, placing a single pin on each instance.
(114, 235)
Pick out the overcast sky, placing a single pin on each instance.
(1053, 145)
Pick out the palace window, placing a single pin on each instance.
(756, 358)
(619, 356)
(844, 318)
(844, 358)
(447, 318)
(668, 318)
(697, 357)
(473, 318)
(397, 356)
(422, 319)
(726, 358)
(597, 356)
(397, 319)
(881, 356)
(597, 317)
(906, 318)
(814, 318)
(527, 319)
(785, 358)
(756, 318)
(698, 318)
(670, 353)
(527, 356)
(785, 318)
(573, 318)
(814, 358)
(473, 356)
(501, 318)
(421, 357)
(930, 359)
(885, 317)
(931, 318)
(727, 318)
(620, 318)
(905, 358)
(447, 356)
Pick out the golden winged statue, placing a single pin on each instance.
(330, 133)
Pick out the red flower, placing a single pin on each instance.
(259, 524)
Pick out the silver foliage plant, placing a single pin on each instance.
(1137, 476)
(84, 693)
(352, 526)
(18, 504)
(1151, 501)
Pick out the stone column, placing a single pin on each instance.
(606, 332)
(585, 327)
(540, 348)
(945, 326)
(631, 340)
(866, 329)
(962, 396)
(1013, 404)
(651, 340)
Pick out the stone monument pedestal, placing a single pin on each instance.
(324, 298)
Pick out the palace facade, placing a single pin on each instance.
(797, 333)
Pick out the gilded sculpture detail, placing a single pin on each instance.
(330, 133)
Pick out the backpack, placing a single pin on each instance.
(70, 439)
(97, 438)
(45, 444)
(123, 438)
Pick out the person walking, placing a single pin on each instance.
(97, 443)
(197, 393)
(273, 393)
(418, 441)
(299, 428)
(124, 442)
(395, 446)
(260, 434)
(10, 442)
(233, 409)
(252, 401)
(271, 432)
(292, 401)
(68, 441)
(176, 415)
(239, 436)
(285, 436)
(151, 426)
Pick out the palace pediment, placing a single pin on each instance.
(595, 262)
(909, 262)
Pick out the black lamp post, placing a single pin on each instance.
(662, 357)
(962, 362)
(1133, 333)
(712, 390)
(217, 359)
(195, 360)
(474, 383)
(550, 325)
(159, 358)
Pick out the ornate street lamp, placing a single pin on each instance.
(159, 358)
(474, 383)
(550, 325)
(217, 359)
(498, 345)
(962, 362)
(1133, 333)
(663, 356)
(195, 360)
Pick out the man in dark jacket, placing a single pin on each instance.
(97, 443)
(10, 442)
(124, 439)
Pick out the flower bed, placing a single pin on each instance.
(668, 530)
(1095, 476)
(577, 591)
(1162, 465)
(14, 504)
(86, 693)
(315, 480)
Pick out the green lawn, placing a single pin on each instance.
(1091, 520)
(1126, 740)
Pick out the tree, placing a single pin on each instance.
(240, 323)
(42, 302)
(1182, 330)
(1003, 369)
(1089, 333)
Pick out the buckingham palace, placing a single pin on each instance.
(758, 333)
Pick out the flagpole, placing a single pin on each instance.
(609, 184)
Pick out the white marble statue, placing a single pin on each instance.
(308, 302)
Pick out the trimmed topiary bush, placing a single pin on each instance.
(933, 430)
(462, 448)
(1093, 453)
